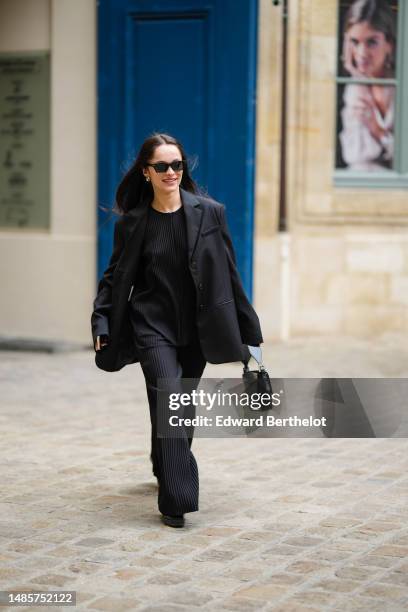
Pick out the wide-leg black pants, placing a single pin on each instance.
(173, 462)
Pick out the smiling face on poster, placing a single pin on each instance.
(366, 90)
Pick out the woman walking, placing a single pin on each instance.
(171, 298)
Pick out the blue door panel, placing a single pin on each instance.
(187, 68)
(167, 91)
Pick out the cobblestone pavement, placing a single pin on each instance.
(284, 525)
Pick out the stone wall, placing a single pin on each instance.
(347, 267)
(50, 273)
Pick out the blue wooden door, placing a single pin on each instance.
(186, 67)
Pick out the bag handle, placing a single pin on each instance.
(256, 353)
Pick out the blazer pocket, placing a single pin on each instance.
(210, 230)
(223, 302)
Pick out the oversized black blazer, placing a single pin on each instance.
(226, 320)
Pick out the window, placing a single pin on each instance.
(371, 117)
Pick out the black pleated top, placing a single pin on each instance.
(163, 301)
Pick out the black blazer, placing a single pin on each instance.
(226, 320)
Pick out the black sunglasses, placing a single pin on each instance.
(175, 165)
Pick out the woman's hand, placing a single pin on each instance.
(362, 108)
(347, 57)
(365, 112)
(101, 341)
(370, 121)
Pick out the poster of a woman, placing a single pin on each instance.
(367, 110)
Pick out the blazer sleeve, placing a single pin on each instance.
(247, 318)
(103, 301)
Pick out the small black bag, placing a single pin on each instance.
(256, 381)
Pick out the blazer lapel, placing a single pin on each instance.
(136, 223)
(193, 213)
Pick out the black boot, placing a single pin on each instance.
(173, 521)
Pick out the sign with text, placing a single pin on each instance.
(296, 408)
(24, 140)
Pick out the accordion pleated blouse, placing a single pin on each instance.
(163, 301)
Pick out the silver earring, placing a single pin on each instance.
(147, 179)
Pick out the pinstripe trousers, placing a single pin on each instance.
(173, 462)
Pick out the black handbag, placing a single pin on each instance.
(256, 381)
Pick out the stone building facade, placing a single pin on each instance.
(340, 268)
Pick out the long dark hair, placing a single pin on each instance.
(133, 189)
(379, 15)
